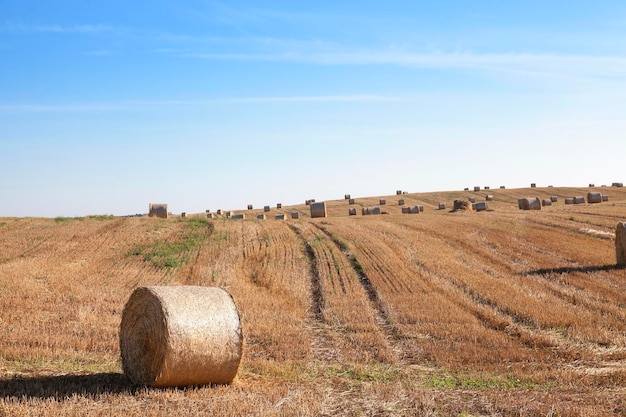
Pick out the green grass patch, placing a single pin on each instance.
(476, 381)
(67, 219)
(102, 217)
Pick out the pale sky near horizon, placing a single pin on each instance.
(107, 107)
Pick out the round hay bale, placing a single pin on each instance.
(180, 336)
(462, 205)
(594, 198)
(620, 243)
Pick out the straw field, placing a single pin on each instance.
(499, 312)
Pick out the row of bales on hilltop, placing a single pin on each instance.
(318, 209)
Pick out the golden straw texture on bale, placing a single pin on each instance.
(462, 205)
(180, 336)
(620, 243)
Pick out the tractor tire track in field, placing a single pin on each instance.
(383, 317)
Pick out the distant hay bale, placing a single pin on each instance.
(480, 206)
(415, 209)
(442, 206)
(579, 200)
(180, 336)
(405, 192)
(533, 185)
(620, 243)
(210, 216)
(593, 198)
(318, 209)
(183, 214)
(382, 201)
(421, 208)
(249, 206)
(295, 215)
(465, 189)
(461, 205)
(266, 208)
(472, 199)
(351, 201)
(352, 212)
(529, 203)
(208, 211)
(398, 192)
(280, 216)
(617, 184)
(489, 197)
(569, 200)
(406, 210)
(367, 211)
(260, 216)
(219, 211)
(476, 188)
(346, 197)
(229, 214)
(591, 185)
(237, 216)
(401, 202)
(546, 202)
(554, 198)
(502, 187)
(486, 187)
(279, 205)
(158, 210)
(605, 197)
(310, 201)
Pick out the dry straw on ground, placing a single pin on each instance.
(180, 336)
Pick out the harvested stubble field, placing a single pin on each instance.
(503, 312)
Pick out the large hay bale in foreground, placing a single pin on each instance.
(158, 210)
(462, 205)
(180, 336)
(318, 209)
(620, 243)
(529, 203)
(594, 198)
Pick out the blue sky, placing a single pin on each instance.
(211, 104)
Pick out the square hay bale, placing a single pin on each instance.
(605, 197)
(260, 216)
(295, 215)
(554, 198)
(480, 206)
(280, 216)
(158, 210)
(593, 198)
(442, 206)
(569, 200)
(352, 211)
(318, 209)
(351, 201)
(546, 202)
(620, 243)
(401, 202)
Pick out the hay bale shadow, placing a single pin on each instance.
(569, 269)
(63, 387)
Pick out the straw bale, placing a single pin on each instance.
(569, 200)
(279, 205)
(502, 187)
(266, 209)
(594, 198)
(442, 206)
(620, 243)
(465, 189)
(295, 215)
(158, 210)
(480, 206)
(472, 199)
(219, 211)
(249, 206)
(617, 184)
(366, 211)
(476, 188)
(183, 214)
(398, 192)
(229, 213)
(533, 185)
(406, 210)
(180, 336)
(382, 201)
(260, 216)
(605, 197)
(421, 208)
(546, 202)
(318, 209)
(238, 216)
(346, 197)
(461, 205)
(486, 187)
(352, 211)
(579, 199)
(351, 201)
(280, 216)
(554, 199)
(591, 185)
(414, 209)
(489, 197)
(529, 203)
(210, 216)
(401, 202)
(208, 211)
(520, 203)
